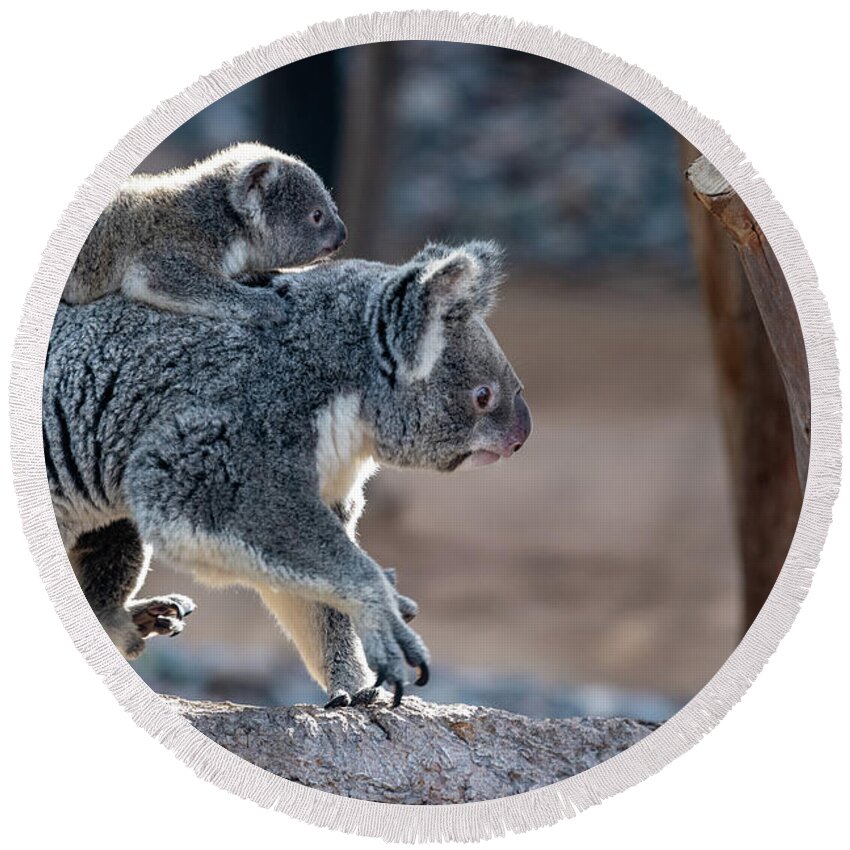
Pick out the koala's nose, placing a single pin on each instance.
(521, 429)
(334, 237)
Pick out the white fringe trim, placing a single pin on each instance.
(469, 821)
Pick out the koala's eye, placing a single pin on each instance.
(317, 216)
(483, 397)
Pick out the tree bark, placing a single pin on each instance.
(766, 470)
(420, 753)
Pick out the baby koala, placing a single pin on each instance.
(182, 240)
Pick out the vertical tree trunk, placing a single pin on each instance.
(757, 420)
(367, 145)
(302, 112)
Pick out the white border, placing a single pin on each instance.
(475, 820)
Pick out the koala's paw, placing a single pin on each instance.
(161, 615)
(390, 647)
(365, 697)
(407, 607)
(258, 278)
(268, 306)
(361, 699)
(339, 699)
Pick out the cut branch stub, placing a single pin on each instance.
(771, 294)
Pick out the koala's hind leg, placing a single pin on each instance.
(328, 645)
(110, 564)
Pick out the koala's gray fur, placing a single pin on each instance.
(239, 451)
(181, 240)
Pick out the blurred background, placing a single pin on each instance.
(598, 572)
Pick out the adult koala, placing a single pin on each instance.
(239, 452)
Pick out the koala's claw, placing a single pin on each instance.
(398, 691)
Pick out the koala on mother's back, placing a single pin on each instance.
(238, 452)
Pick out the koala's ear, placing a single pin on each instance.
(432, 251)
(439, 287)
(251, 183)
(490, 258)
(465, 280)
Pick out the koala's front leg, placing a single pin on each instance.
(179, 284)
(343, 658)
(378, 618)
(201, 486)
(331, 568)
(339, 648)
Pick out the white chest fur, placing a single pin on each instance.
(343, 449)
(236, 258)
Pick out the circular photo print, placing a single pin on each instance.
(424, 423)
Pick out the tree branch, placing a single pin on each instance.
(420, 753)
